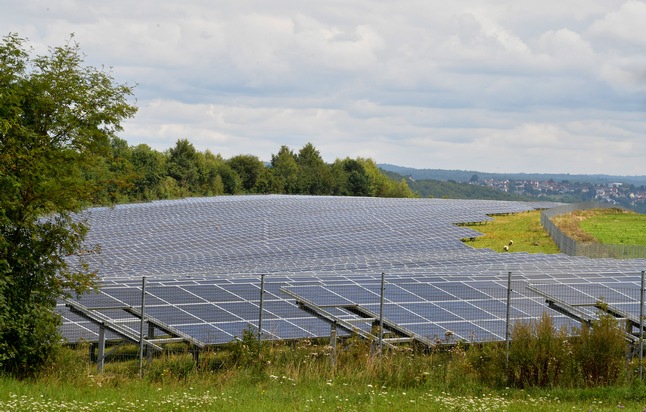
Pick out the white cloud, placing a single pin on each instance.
(624, 25)
(566, 47)
(497, 85)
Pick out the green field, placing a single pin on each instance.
(524, 229)
(608, 226)
(616, 227)
(298, 380)
(281, 394)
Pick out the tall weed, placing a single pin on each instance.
(537, 354)
(601, 351)
(489, 364)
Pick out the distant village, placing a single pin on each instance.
(629, 196)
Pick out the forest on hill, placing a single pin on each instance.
(126, 173)
(467, 176)
(625, 191)
(454, 190)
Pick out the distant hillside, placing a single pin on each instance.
(466, 175)
(453, 190)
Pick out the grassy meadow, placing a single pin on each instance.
(615, 226)
(302, 378)
(280, 394)
(607, 226)
(524, 229)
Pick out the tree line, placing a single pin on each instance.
(128, 173)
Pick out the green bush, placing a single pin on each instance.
(249, 351)
(537, 353)
(541, 355)
(488, 361)
(600, 351)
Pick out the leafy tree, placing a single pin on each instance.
(57, 118)
(314, 176)
(230, 179)
(150, 169)
(378, 182)
(267, 183)
(399, 189)
(350, 178)
(284, 171)
(211, 181)
(249, 168)
(119, 173)
(183, 165)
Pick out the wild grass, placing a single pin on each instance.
(522, 232)
(606, 226)
(524, 229)
(548, 369)
(614, 226)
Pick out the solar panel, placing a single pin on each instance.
(202, 258)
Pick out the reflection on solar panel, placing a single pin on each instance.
(202, 259)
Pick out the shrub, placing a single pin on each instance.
(537, 353)
(601, 351)
(488, 361)
(249, 351)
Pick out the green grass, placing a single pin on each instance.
(300, 377)
(524, 229)
(616, 227)
(280, 394)
(243, 390)
(608, 226)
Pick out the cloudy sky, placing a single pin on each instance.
(556, 86)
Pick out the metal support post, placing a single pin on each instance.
(262, 299)
(333, 344)
(507, 326)
(141, 328)
(93, 347)
(641, 329)
(381, 313)
(196, 354)
(101, 355)
(149, 351)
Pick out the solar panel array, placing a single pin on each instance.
(202, 259)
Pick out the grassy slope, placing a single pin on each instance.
(616, 227)
(523, 228)
(608, 226)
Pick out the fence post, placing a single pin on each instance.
(101, 350)
(333, 344)
(141, 328)
(381, 313)
(507, 318)
(641, 328)
(262, 299)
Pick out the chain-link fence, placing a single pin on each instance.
(570, 247)
(386, 310)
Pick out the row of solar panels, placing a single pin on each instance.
(202, 258)
(217, 310)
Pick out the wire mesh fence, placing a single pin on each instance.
(386, 310)
(570, 247)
